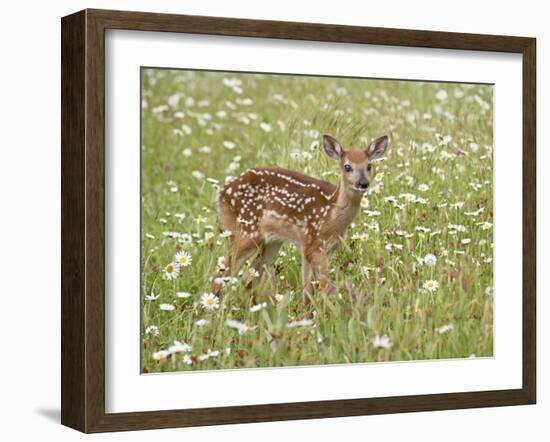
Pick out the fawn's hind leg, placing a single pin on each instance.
(239, 250)
(266, 257)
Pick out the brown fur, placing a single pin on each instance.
(263, 207)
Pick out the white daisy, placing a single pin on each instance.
(364, 203)
(202, 322)
(183, 258)
(171, 271)
(431, 285)
(229, 145)
(266, 127)
(430, 260)
(486, 225)
(301, 323)
(254, 273)
(167, 307)
(441, 95)
(197, 174)
(423, 187)
(185, 238)
(210, 302)
(179, 347)
(381, 341)
(160, 355)
(444, 328)
(258, 307)
(152, 330)
(152, 297)
(183, 294)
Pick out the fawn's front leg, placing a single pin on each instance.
(314, 264)
(307, 287)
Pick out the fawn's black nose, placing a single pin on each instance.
(364, 184)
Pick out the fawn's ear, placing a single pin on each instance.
(332, 148)
(377, 148)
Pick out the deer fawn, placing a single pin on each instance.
(264, 207)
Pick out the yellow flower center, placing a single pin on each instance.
(183, 260)
(210, 301)
(169, 268)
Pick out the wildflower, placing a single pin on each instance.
(183, 258)
(167, 307)
(444, 329)
(301, 323)
(202, 322)
(430, 260)
(258, 307)
(423, 187)
(185, 238)
(254, 273)
(486, 225)
(171, 234)
(379, 176)
(197, 174)
(229, 145)
(171, 271)
(381, 341)
(179, 347)
(160, 355)
(441, 95)
(266, 127)
(465, 241)
(239, 326)
(152, 330)
(187, 359)
(183, 295)
(152, 297)
(364, 202)
(431, 285)
(210, 302)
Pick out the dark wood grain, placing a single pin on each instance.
(529, 220)
(83, 219)
(73, 129)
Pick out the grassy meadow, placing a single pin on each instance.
(414, 278)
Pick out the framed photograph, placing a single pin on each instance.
(267, 221)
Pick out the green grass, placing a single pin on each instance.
(443, 143)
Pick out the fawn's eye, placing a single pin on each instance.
(347, 168)
(369, 167)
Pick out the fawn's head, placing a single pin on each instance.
(355, 165)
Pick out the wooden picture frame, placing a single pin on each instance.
(83, 219)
